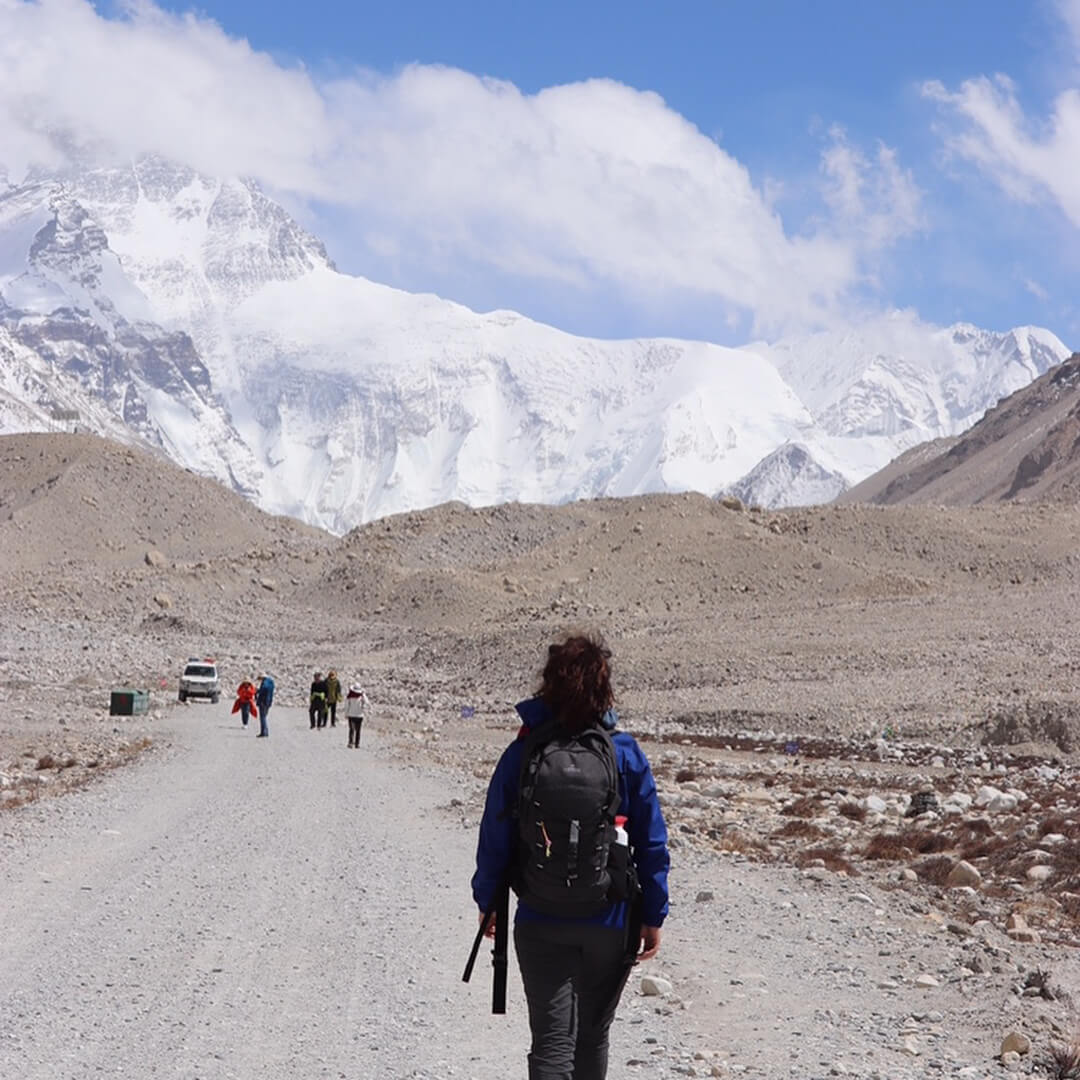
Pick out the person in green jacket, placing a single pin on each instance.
(333, 695)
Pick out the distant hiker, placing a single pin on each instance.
(355, 707)
(264, 698)
(333, 695)
(245, 700)
(317, 701)
(573, 823)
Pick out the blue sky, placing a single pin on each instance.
(724, 170)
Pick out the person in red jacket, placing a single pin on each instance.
(245, 700)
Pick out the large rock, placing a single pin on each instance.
(963, 874)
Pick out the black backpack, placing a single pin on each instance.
(568, 862)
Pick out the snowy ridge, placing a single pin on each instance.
(207, 321)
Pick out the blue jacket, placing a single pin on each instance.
(264, 696)
(496, 849)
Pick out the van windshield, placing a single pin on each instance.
(199, 671)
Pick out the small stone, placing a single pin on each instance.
(154, 558)
(927, 982)
(1040, 873)
(654, 986)
(704, 896)
(163, 601)
(1015, 1042)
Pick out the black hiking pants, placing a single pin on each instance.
(332, 707)
(355, 723)
(573, 974)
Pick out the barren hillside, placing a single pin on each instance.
(1026, 448)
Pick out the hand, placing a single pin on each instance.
(650, 943)
(490, 931)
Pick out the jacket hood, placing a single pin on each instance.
(534, 712)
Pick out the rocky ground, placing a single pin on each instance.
(877, 704)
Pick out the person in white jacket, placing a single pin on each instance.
(355, 707)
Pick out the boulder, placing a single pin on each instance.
(963, 874)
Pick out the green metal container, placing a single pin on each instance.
(127, 702)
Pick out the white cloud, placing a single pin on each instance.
(593, 183)
(1036, 290)
(874, 197)
(1032, 159)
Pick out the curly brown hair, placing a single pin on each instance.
(576, 681)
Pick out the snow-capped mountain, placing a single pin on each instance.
(790, 476)
(891, 383)
(199, 315)
(76, 334)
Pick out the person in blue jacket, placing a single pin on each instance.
(574, 969)
(264, 698)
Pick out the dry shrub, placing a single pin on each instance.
(1070, 906)
(46, 761)
(935, 870)
(801, 829)
(974, 829)
(738, 840)
(853, 810)
(1053, 823)
(930, 843)
(137, 746)
(803, 807)
(684, 776)
(1067, 864)
(888, 846)
(1002, 848)
(1065, 1060)
(833, 858)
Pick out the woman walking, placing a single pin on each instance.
(355, 707)
(582, 921)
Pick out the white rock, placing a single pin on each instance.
(985, 796)
(654, 986)
(959, 799)
(1039, 873)
(873, 804)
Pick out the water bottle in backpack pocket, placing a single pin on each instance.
(621, 869)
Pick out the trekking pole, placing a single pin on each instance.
(500, 912)
(484, 924)
(501, 951)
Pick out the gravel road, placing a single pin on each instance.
(242, 908)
